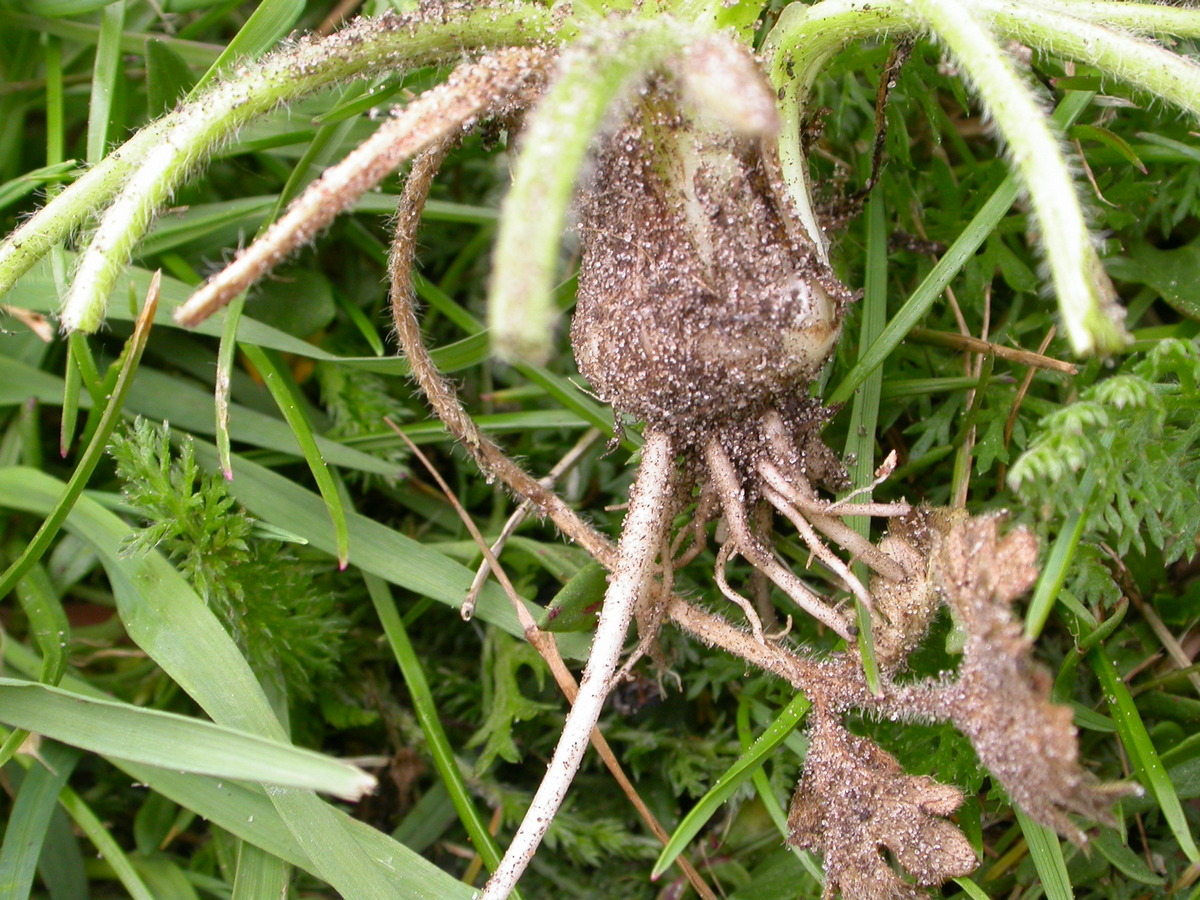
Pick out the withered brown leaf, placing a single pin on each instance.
(855, 801)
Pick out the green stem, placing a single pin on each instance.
(1086, 298)
(799, 48)
(591, 78)
(1141, 18)
(864, 411)
(1133, 60)
(162, 154)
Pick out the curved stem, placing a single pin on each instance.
(164, 152)
(637, 553)
(1086, 298)
(504, 82)
(593, 75)
(799, 46)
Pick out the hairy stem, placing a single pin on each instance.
(163, 153)
(1125, 57)
(491, 460)
(1086, 298)
(1141, 18)
(506, 80)
(637, 554)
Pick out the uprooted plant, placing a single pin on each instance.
(707, 306)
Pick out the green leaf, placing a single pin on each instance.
(427, 714)
(168, 76)
(951, 263)
(374, 548)
(104, 80)
(288, 399)
(171, 399)
(1105, 136)
(64, 9)
(259, 874)
(1175, 273)
(575, 607)
(1128, 863)
(164, 739)
(13, 190)
(131, 356)
(746, 765)
(164, 877)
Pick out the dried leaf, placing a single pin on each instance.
(1001, 700)
(854, 802)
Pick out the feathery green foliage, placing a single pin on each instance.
(1128, 453)
(275, 605)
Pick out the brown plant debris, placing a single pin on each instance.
(1001, 700)
(854, 802)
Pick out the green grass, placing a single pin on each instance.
(174, 633)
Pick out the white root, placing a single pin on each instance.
(729, 489)
(726, 551)
(645, 523)
(819, 549)
(815, 512)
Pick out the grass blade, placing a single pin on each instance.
(259, 875)
(156, 605)
(1047, 857)
(164, 739)
(731, 780)
(104, 80)
(864, 412)
(375, 548)
(30, 819)
(270, 21)
(427, 715)
(283, 391)
(94, 452)
(1137, 743)
(766, 795)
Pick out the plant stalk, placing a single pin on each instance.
(163, 153)
(637, 557)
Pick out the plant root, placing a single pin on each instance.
(645, 523)
(749, 545)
